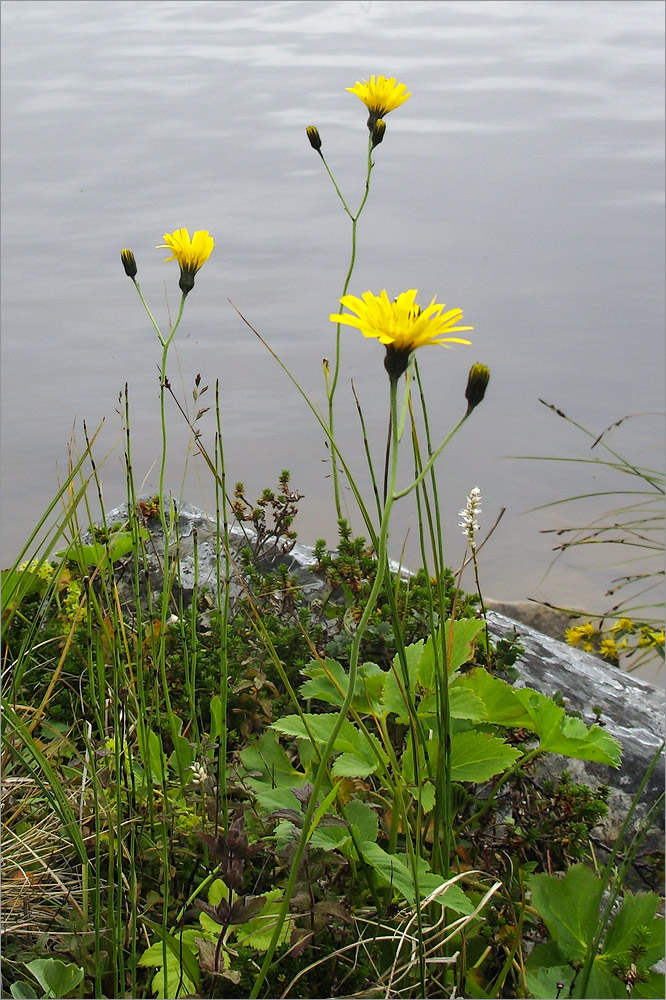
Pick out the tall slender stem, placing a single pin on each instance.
(307, 829)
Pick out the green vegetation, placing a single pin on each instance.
(251, 786)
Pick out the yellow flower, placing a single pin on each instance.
(401, 325)
(572, 636)
(380, 95)
(609, 649)
(191, 254)
(623, 625)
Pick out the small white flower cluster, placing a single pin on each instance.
(469, 523)
(199, 773)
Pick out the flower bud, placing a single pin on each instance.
(129, 263)
(313, 135)
(396, 361)
(477, 383)
(377, 133)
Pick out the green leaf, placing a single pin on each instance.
(257, 933)
(461, 639)
(152, 755)
(363, 818)
(181, 961)
(56, 978)
(501, 705)
(603, 983)
(267, 757)
(361, 753)
(569, 907)
(568, 735)
(636, 934)
(478, 756)
(546, 983)
(21, 990)
(465, 704)
(653, 987)
(525, 708)
(393, 870)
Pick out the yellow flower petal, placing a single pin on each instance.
(380, 94)
(191, 254)
(401, 324)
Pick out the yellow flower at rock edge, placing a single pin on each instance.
(401, 325)
(380, 95)
(191, 254)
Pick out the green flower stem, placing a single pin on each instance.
(331, 385)
(166, 523)
(307, 829)
(431, 461)
(222, 531)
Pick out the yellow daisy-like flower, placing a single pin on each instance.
(572, 636)
(380, 95)
(623, 625)
(401, 325)
(191, 254)
(609, 649)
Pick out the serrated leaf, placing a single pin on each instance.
(478, 756)
(568, 735)
(636, 934)
(351, 765)
(501, 706)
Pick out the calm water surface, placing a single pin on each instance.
(522, 181)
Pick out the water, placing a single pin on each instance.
(522, 181)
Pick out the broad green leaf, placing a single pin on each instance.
(257, 933)
(363, 818)
(277, 798)
(569, 907)
(352, 765)
(21, 990)
(152, 754)
(653, 987)
(502, 706)
(329, 682)
(182, 967)
(525, 708)
(478, 756)
(636, 934)
(394, 870)
(465, 704)
(267, 757)
(361, 753)
(460, 640)
(57, 978)
(546, 983)
(568, 735)
(603, 983)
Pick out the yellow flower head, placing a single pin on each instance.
(191, 254)
(609, 649)
(401, 325)
(380, 95)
